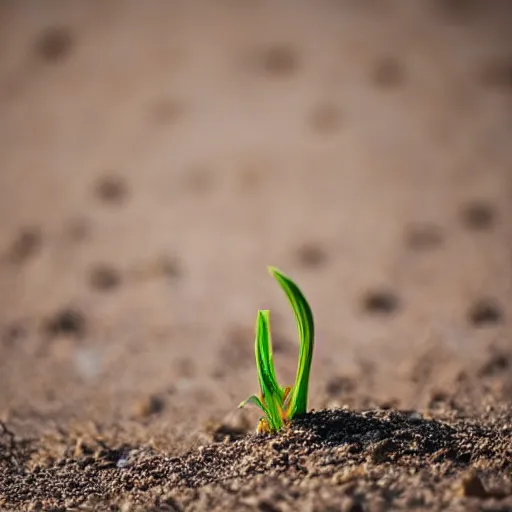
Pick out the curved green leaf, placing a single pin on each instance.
(264, 356)
(253, 399)
(305, 326)
(280, 404)
(270, 400)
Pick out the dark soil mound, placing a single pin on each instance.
(327, 460)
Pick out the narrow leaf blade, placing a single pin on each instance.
(264, 356)
(306, 329)
(253, 399)
(270, 389)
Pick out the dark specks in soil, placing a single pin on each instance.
(352, 505)
(438, 398)
(347, 452)
(485, 312)
(380, 302)
(227, 432)
(498, 362)
(478, 215)
(424, 237)
(111, 189)
(472, 486)
(147, 406)
(458, 11)
(279, 61)
(13, 333)
(267, 506)
(104, 277)
(27, 244)
(170, 267)
(68, 321)
(7, 436)
(54, 44)
(388, 73)
(281, 344)
(340, 386)
(497, 74)
(311, 255)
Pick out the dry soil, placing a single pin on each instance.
(156, 156)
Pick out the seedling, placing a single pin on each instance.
(281, 404)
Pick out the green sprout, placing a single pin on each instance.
(281, 404)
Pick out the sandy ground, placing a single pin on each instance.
(156, 156)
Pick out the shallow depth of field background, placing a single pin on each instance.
(156, 156)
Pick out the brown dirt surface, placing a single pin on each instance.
(328, 460)
(156, 156)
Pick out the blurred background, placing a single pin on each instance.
(156, 156)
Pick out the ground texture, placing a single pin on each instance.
(156, 156)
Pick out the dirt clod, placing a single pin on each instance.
(104, 277)
(54, 44)
(280, 61)
(388, 73)
(478, 215)
(112, 189)
(311, 255)
(355, 448)
(148, 406)
(27, 244)
(485, 312)
(472, 486)
(381, 302)
(352, 505)
(68, 321)
(497, 74)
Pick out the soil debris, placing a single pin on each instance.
(347, 452)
